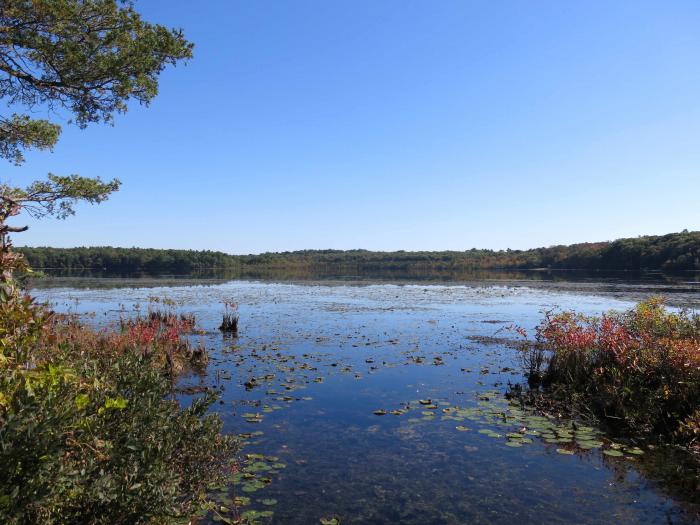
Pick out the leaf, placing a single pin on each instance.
(613, 453)
(82, 400)
(119, 403)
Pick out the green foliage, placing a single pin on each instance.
(100, 443)
(89, 435)
(89, 57)
(128, 260)
(21, 322)
(673, 252)
(19, 132)
(57, 195)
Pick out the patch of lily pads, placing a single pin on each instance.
(517, 426)
(254, 473)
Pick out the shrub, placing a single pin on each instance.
(89, 430)
(159, 337)
(641, 367)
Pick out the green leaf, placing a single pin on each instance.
(119, 403)
(82, 400)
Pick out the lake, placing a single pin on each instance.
(380, 402)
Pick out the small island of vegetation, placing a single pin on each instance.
(636, 371)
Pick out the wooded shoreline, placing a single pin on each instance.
(675, 252)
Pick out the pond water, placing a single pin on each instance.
(383, 403)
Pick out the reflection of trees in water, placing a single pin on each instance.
(381, 272)
(672, 470)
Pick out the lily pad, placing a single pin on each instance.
(612, 452)
(588, 444)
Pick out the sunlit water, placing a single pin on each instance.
(319, 360)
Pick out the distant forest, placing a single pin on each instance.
(674, 252)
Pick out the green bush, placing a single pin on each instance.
(102, 442)
(90, 432)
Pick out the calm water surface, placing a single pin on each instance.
(314, 362)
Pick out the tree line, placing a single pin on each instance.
(127, 260)
(675, 252)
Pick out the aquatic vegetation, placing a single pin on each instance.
(253, 473)
(638, 369)
(229, 323)
(506, 420)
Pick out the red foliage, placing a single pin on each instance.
(643, 365)
(161, 336)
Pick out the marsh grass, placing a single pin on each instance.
(229, 323)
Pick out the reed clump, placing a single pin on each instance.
(229, 323)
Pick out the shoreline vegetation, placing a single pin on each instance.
(91, 431)
(671, 253)
(90, 427)
(635, 372)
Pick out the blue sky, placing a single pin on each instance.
(415, 125)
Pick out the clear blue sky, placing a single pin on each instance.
(400, 125)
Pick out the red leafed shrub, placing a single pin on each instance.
(641, 366)
(161, 337)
